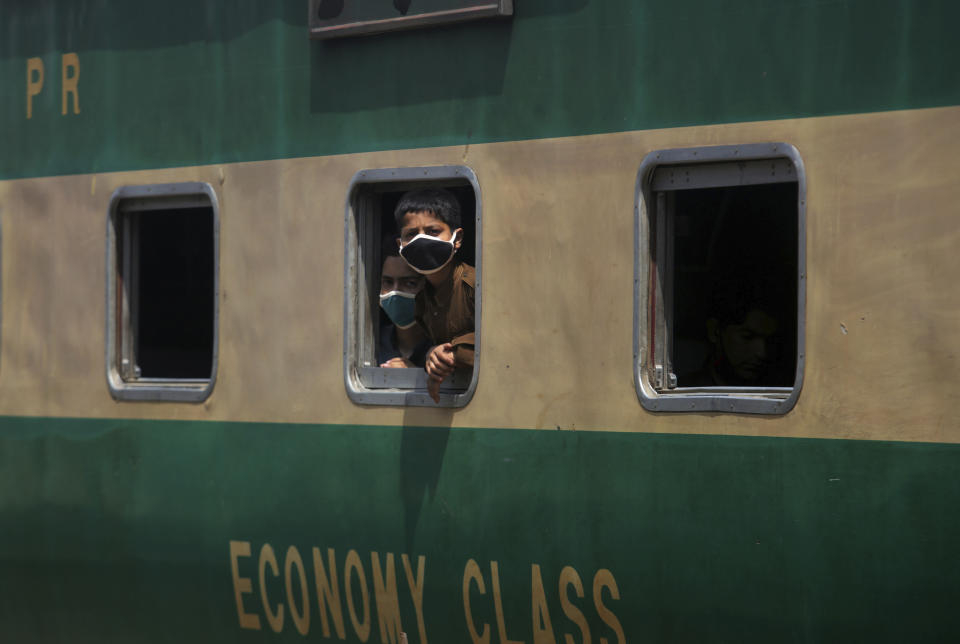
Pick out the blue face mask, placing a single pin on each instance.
(401, 308)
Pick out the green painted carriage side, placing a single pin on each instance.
(120, 530)
(186, 83)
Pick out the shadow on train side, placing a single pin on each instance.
(421, 459)
(416, 74)
(423, 444)
(84, 25)
(531, 9)
(419, 75)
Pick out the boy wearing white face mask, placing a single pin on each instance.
(430, 236)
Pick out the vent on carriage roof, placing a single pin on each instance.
(338, 18)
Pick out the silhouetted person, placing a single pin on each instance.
(745, 327)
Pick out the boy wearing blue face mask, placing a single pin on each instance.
(430, 236)
(402, 343)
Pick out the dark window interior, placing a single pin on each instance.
(388, 228)
(735, 250)
(175, 292)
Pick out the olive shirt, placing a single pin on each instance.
(446, 313)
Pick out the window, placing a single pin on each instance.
(369, 224)
(720, 279)
(162, 246)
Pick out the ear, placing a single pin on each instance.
(713, 330)
(399, 243)
(457, 238)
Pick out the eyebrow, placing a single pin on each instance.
(430, 224)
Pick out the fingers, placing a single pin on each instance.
(441, 368)
(445, 354)
(439, 372)
(440, 362)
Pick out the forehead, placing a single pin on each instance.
(421, 218)
(396, 268)
(760, 322)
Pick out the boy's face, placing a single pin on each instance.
(427, 223)
(398, 276)
(747, 345)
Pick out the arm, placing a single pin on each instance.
(444, 358)
(463, 349)
(398, 363)
(440, 364)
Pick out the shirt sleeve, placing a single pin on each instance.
(464, 343)
(386, 350)
(463, 349)
(419, 355)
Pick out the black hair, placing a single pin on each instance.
(389, 247)
(441, 203)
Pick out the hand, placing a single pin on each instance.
(398, 363)
(440, 363)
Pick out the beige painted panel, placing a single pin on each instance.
(883, 303)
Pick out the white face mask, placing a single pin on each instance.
(427, 254)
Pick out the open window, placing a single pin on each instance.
(720, 279)
(369, 225)
(162, 258)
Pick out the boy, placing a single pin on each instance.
(402, 341)
(430, 236)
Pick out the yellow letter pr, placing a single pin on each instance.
(34, 82)
(70, 83)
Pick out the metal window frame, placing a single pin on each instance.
(367, 384)
(120, 343)
(1, 282)
(729, 165)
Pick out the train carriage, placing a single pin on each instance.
(196, 442)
